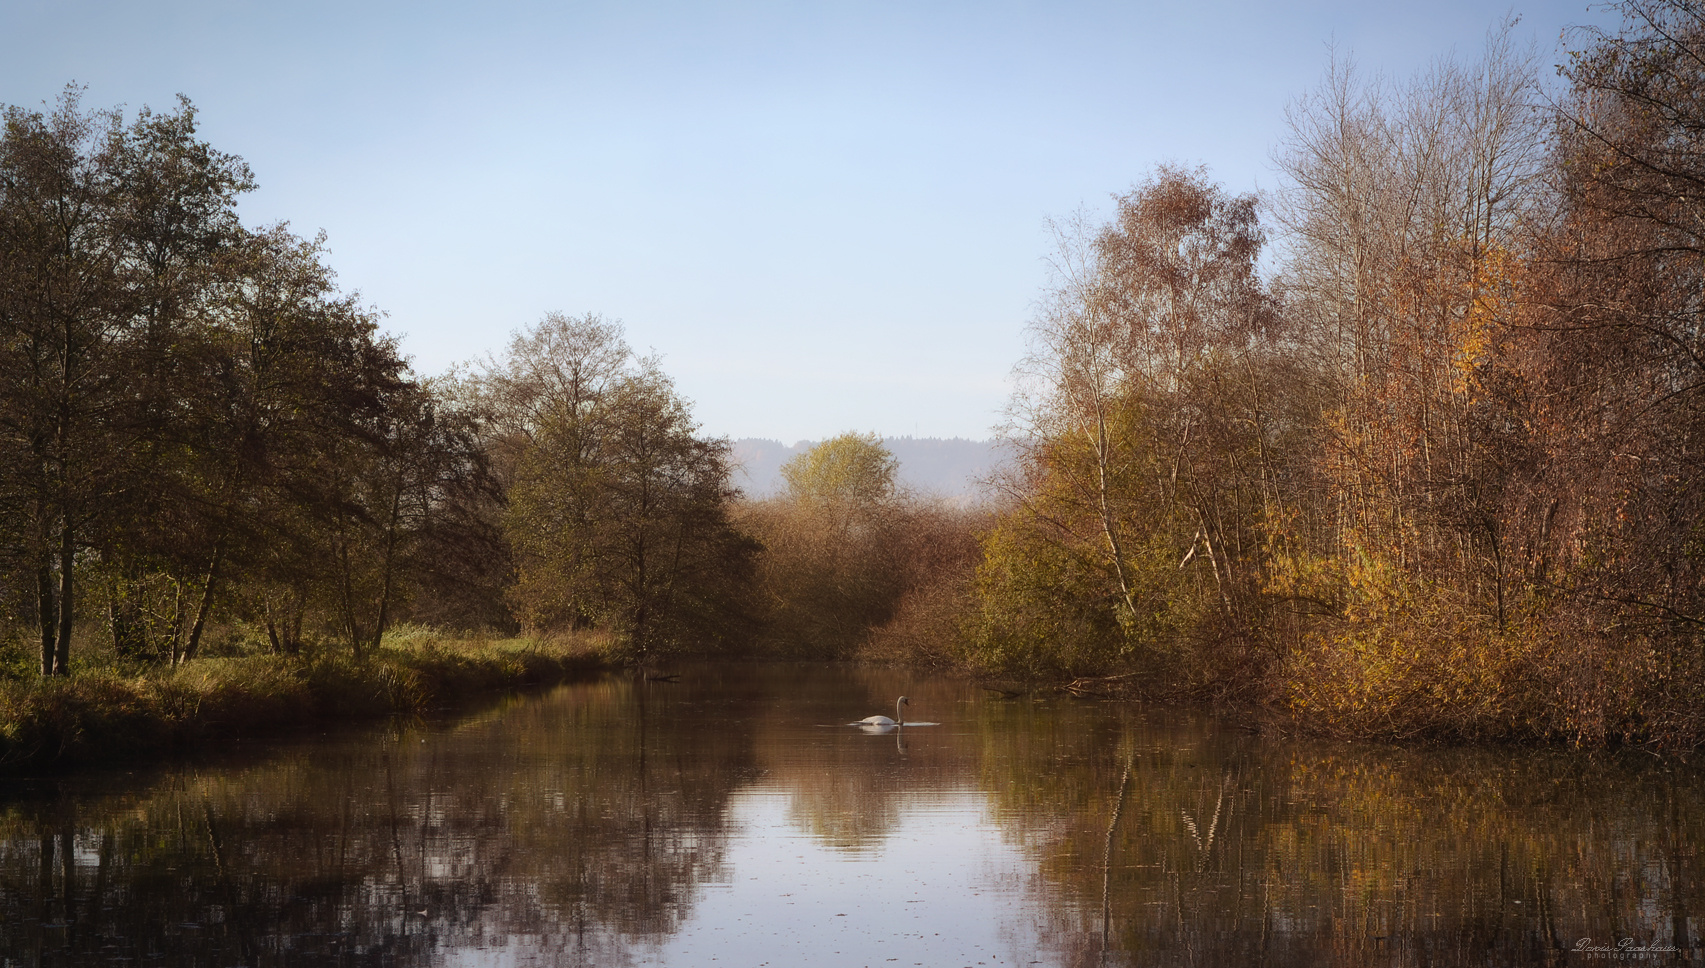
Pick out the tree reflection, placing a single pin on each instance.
(1233, 851)
(848, 792)
(563, 830)
(584, 827)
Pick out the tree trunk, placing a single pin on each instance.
(389, 565)
(1117, 552)
(175, 632)
(641, 643)
(284, 624)
(205, 605)
(49, 613)
(67, 555)
(1220, 578)
(129, 636)
(346, 596)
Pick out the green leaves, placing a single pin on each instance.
(851, 469)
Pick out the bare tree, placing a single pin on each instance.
(1406, 216)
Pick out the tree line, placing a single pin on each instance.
(199, 431)
(1436, 469)
(192, 416)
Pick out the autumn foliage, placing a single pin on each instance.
(1436, 471)
(1410, 447)
(854, 566)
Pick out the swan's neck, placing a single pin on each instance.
(899, 717)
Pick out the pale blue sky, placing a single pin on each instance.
(826, 216)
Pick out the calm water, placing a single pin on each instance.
(720, 821)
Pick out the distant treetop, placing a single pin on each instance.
(853, 468)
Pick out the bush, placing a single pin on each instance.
(843, 580)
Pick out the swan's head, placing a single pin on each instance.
(904, 701)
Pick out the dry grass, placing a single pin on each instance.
(107, 713)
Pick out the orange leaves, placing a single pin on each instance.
(1495, 279)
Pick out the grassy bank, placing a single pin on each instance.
(105, 714)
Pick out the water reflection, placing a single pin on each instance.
(712, 820)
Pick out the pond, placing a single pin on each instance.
(731, 818)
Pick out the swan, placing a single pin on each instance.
(898, 720)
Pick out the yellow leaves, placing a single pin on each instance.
(1432, 669)
(852, 468)
(1495, 276)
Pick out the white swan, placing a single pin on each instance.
(898, 720)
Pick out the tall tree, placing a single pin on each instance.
(104, 230)
(617, 509)
(1620, 328)
(1407, 214)
(1149, 411)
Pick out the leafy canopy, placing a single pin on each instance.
(852, 468)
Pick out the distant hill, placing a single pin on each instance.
(931, 465)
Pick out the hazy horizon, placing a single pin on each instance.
(947, 467)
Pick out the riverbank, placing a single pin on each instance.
(106, 714)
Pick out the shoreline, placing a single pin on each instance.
(102, 716)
